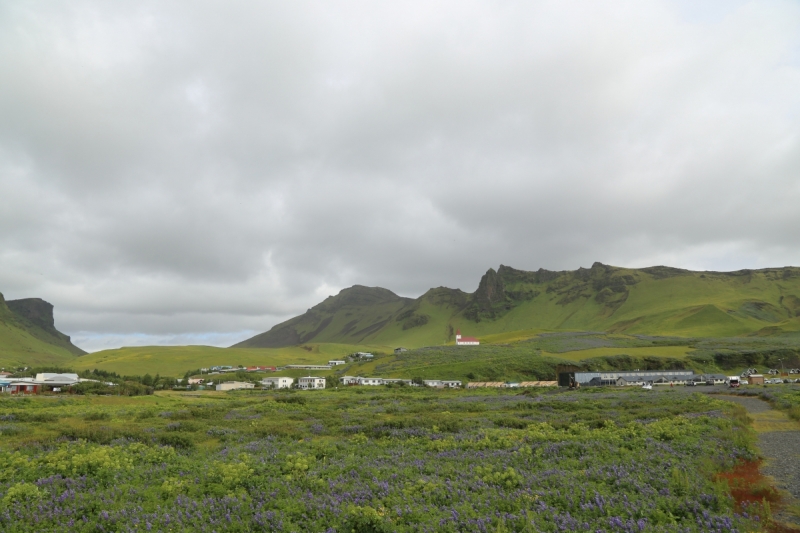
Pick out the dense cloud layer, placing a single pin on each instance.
(175, 172)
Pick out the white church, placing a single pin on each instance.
(465, 341)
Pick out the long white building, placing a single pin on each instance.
(277, 383)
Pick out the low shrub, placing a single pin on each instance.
(176, 440)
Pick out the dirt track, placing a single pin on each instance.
(779, 442)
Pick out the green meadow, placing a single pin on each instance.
(381, 460)
(176, 360)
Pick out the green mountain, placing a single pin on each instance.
(512, 303)
(28, 335)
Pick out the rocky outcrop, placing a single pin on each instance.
(35, 316)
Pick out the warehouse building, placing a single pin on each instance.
(656, 377)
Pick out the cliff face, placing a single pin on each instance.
(35, 317)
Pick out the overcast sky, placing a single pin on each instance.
(195, 172)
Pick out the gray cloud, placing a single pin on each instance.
(177, 172)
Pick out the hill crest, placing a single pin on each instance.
(659, 300)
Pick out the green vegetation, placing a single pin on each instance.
(28, 336)
(540, 358)
(510, 305)
(176, 360)
(378, 460)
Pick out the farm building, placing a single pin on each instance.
(55, 382)
(716, 379)
(660, 377)
(307, 367)
(539, 384)
(500, 384)
(490, 384)
(311, 382)
(358, 380)
(261, 369)
(441, 383)
(235, 385)
(465, 341)
(277, 383)
(386, 381)
(336, 362)
(20, 387)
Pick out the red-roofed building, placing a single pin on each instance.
(466, 341)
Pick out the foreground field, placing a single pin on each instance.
(375, 460)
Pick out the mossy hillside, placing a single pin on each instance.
(24, 343)
(653, 301)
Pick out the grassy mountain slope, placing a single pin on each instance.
(28, 336)
(656, 301)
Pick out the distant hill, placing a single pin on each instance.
(512, 303)
(28, 335)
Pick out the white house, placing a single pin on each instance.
(465, 341)
(336, 362)
(451, 384)
(358, 380)
(363, 355)
(437, 383)
(235, 385)
(311, 382)
(196, 381)
(277, 383)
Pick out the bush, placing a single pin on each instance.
(97, 415)
(176, 440)
(291, 399)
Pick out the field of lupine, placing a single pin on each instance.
(373, 460)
